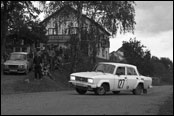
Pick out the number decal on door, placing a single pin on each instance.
(121, 83)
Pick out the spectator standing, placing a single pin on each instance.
(52, 58)
(37, 65)
(61, 51)
(46, 67)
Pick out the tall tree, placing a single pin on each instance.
(134, 54)
(12, 11)
(163, 69)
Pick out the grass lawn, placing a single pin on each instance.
(12, 83)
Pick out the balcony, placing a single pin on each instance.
(58, 38)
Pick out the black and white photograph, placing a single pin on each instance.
(86, 57)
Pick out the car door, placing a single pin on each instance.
(120, 78)
(132, 77)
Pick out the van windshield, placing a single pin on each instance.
(105, 68)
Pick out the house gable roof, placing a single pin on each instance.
(72, 9)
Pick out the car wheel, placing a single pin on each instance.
(81, 91)
(101, 90)
(145, 91)
(115, 92)
(138, 90)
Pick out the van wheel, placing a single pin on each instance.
(101, 90)
(138, 90)
(81, 91)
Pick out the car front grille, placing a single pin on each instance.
(13, 66)
(82, 79)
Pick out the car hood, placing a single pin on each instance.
(89, 74)
(15, 62)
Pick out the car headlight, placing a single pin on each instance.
(90, 80)
(73, 78)
(21, 66)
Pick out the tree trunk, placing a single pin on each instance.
(78, 50)
(4, 28)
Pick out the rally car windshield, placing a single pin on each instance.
(105, 68)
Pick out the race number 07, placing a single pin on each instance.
(121, 83)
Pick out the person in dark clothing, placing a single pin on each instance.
(37, 65)
(61, 51)
(46, 67)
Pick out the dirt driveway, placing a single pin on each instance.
(69, 102)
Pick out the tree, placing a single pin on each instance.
(167, 63)
(13, 15)
(134, 54)
(31, 32)
(163, 69)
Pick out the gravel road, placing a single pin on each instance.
(69, 102)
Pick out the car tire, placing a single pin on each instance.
(138, 90)
(145, 91)
(81, 91)
(115, 92)
(101, 90)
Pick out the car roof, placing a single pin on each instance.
(117, 64)
(19, 53)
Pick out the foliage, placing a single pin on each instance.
(110, 14)
(160, 69)
(134, 54)
(31, 32)
(163, 69)
(14, 16)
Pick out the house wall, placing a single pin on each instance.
(61, 24)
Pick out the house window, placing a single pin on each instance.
(73, 30)
(98, 51)
(103, 43)
(106, 54)
(103, 52)
(52, 31)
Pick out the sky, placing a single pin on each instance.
(154, 28)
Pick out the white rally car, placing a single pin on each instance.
(113, 77)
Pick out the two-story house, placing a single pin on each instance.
(62, 26)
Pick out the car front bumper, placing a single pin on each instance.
(14, 70)
(77, 84)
